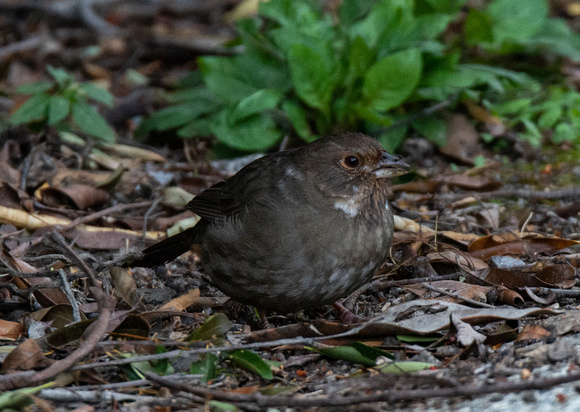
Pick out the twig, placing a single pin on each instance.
(25, 293)
(255, 345)
(91, 18)
(148, 213)
(24, 45)
(43, 274)
(526, 223)
(177, 352)
(90, 338)
(379, 283)
(54, 256)
(456, 296)
(105, 212)
(566, 193)
(389, 396)
(135, 383)
(66, 395)
(57, 239)
(70, 296)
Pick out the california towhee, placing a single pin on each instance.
(294, 229)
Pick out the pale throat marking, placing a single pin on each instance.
(350, 207)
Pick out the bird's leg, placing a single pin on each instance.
(264, 319)
(346, 316)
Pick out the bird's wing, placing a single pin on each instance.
(213, 203)
(230, 197)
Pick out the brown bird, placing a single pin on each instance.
(294, 229)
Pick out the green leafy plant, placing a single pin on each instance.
(64, 104)
(306, 72)
(554, 111)
(214, 328)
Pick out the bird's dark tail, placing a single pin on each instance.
(168, 249)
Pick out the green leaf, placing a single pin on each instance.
(404, 367)
(291, 12)
(357, 353)
(254, 133)
(215, 325)
(191, 94)
(479, 161)
(217, 406)
(177, 115)
(298, 119)
(207, 367)
(478, 28)
(58, 109)
(555, 37)
(62, 77)
(353, 10)
(134, 78)
(418, 338)
(360, 57)
(516, 20)
(97, 93)
(533, 135)
(430, 26)
(311, 77)
(371, 116)
(91, 122)
(222, 76)
(392, 140)
(162, 366)
(33, 109)
(513, 106)
(19, 399)
(34, 88)
(391, 80)
(550, 117)
(385, 15)
(564, 132)
(198, 127)
(433, 129)
(255, 104)
(250, 362)
(449, 7)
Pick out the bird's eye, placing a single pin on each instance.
(351, 162)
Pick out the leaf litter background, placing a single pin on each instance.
(479, 297)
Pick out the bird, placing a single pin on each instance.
(294, 229)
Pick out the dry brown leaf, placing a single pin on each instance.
(418, 186)
(125, 286)
(134, 152)
(25, 356)
(425, 316)
(60, 315)
(507, 278)
(493, 124)
(10, 330)
(533, 333)
(481, 183)
(462, 139)
(463, 238)
(33, 221)
(77, 196)
(455, 257)
(182, 302)
(46, 296)
(511, 244)
(466, 335)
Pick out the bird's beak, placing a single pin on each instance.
(390, 166)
